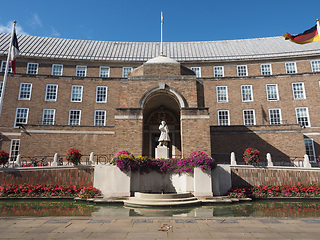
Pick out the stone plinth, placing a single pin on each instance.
(162, 152)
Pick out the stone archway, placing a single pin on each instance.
(157, 106)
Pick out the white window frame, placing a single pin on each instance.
(288, 67)
(216, 70)
(126, 71)
(313, 157)
(228, 115)
(1, 86)
(69, 121)
(26, 118)
(12, 156)
(240, 72)
(253, 114)
(54, 72)
(271, 114)
(78, 70)
(43, 114)
(217, 92)
(269, 98)
(197, 71)
(263, 72)
(315, 65)
(244, 95)
(56, 93)
(106, 97)
(3, 66)
(20, 91)
(101, 70)
(104, 119)
(28, 68)
(296, 94)
(72, 93)
(307, 116)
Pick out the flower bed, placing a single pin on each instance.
(251, 155)
(310, 191)
(47, 191)
(126, 161)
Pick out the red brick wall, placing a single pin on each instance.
(247, 177)
(81, 176)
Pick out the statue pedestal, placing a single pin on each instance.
(162, 152)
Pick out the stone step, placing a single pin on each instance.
(162, 196)
(160, 204)
(162, 200)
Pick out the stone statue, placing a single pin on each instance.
(164, 138)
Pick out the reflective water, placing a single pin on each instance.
(265, 208)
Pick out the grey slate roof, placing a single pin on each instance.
(244, 49)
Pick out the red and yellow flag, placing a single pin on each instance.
(308, 36)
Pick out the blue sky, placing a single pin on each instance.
(139, 20)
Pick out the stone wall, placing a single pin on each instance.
(81, 176)
(248, 176)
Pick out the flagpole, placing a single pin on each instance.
(161, 44)
(7, 68)
(318, 27)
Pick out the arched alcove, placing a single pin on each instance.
(161, 105)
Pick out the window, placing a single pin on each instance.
(308, 143)
(197, 70)
(298, 91)
(249, 117)
(100, 118)
(275, 116)
(74, 117)
(104, 72)
(48, 116)
(3, 67)
(222, 94)
(14, 149)
(246, 93)
(101, 94)
(32, 68)
(266, 69)
(76, 93)
(51, 92)
(125, 71)
(242, 70)
(272, 92)
(218, 71)
(25, 91)
(21, 116)
(223, 118)
(57, 69)
(81, 71)
(315, 66)
(1, 84)
(291, 67)
(302, 115)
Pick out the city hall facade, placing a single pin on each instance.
(215, 96)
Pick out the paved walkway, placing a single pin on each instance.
(158, 228)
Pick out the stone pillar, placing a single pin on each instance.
(269, 160)
(55, 160)
(202, 183)
(306, 162)
(129, 126)
(233, 159)
(91, 159)
(17, 163)
(195, 131)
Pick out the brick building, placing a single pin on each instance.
(218, 97)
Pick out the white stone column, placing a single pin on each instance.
(233, 159)
(55, 160)
(202, 183)
(91, 160)
(269, 160)
(306, 162)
